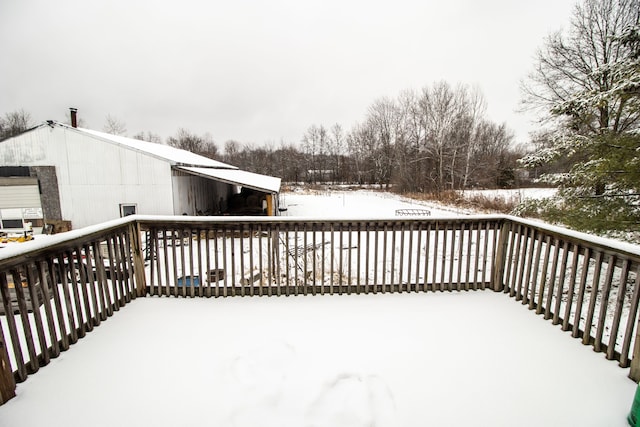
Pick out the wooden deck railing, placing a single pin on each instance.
(59, 288)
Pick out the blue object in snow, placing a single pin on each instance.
(189, 281)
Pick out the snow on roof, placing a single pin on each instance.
(238, 177)
(175, 156)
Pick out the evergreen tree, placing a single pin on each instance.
(594, 99)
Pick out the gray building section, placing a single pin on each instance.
(49, 193)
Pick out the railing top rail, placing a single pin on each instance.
(607, 245)
(62, 241)
(196, 220)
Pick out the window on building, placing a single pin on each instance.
(127, 209)
(12, 223)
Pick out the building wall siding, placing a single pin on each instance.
(93, 176)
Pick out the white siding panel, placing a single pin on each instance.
(19, 196)
(94, 176)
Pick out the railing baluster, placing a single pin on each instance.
(36, 294)
(166, 290)
(385, 236)
(173, 283)
(47, 279)
(21, 369)
(571, 289)
(296, 263)
(192, 266)
(367, 258)
(121, 271)
(485, 254)
(552, 279)
(225, 265)
(459, 285)
(220, 272)
(305, 260)
(350, 260)
(476, 264)
(604, 303)
(508, 278)
(314, 265)
(595, 286)
(401, 258)
(628, 333)
(248, 281)
(64, 338)
(340, 266)
(526, 248)
(203, 277)
(393, 268)
(210, 277)
(410, 280)
(375, 259)
(260, 259)
(75, 284)
(581, 289)
(530, 275)
(539, 303)
(426, 257)
(443, 259)
(468, 282)
(32, 365)
(112, 269)
(617, 315)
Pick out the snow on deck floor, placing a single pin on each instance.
(429, 359)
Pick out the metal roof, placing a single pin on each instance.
(175, 156)
(255, 181)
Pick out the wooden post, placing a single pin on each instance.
(138, 259)
(500, 260)
(634, 373)
(7, 381)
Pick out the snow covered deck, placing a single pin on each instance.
(435, 354)
(430, 359)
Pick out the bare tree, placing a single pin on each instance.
(231, 151)
(315, 146)
(114, 126)
(578, 62)
(14, 123)
(148, 136)
(202, 145)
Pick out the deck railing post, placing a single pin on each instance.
(634, 372)
(138, 259)
(499, 262)
(7, 381)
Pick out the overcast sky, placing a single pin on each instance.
(261, 71)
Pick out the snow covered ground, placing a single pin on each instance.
(437, 359)
(442, 359)
(354, 204)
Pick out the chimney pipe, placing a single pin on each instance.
(74, 118)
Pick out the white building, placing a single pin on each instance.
(59, 172)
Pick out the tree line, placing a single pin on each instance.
(430, 140)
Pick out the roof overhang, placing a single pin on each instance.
(254, 181)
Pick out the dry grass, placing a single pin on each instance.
(476, 202)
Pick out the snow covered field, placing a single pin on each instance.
(443, 359)
(354, 204)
